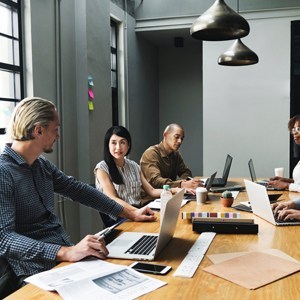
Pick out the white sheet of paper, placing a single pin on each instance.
(95, 279)
(125, 284)
(156, 204)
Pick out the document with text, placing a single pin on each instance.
(95, 279)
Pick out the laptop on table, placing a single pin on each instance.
(260, 204)
(207, 185)
(147, 246)
(223, 181)
(265, 183)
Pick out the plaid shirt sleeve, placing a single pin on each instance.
(30, 232)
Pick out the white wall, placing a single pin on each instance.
(246, 109)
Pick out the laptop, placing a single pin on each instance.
(254, 178)
(260, 204)
(209, 182)
(147, 246)
(223, 181)
(207, 185)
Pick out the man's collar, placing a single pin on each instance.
(14, 155)
(163, 150)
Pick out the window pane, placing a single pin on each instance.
(6, 50)
(16, 61)
(5, 20)
(113, 79)
(15, 25)
(17, 86)
(6, 109)
(113, 36)
(6, 84)
(113, 58)
(3, 139)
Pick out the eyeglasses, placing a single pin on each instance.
(295, 130)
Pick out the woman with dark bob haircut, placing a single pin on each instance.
(119, 177)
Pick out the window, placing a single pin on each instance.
(114, 71)
(11, 72)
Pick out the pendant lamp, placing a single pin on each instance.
(238, 55)
(219, 23)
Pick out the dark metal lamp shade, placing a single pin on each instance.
(219, 23)
(238, 55)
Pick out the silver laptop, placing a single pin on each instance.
(147, 246)
(260, 204)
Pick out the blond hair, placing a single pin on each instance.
(27, 114)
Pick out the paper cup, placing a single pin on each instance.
(201, 195)
(279, 172)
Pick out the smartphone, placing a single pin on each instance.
(150, 268)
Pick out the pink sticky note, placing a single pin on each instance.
(91, 94)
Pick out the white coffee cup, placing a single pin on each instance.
(201, 195)
(279, 172)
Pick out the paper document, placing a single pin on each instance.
(95, 279)
(156, 204)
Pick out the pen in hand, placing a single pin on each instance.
(105, 232)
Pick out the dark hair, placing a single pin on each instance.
(293, 121)
(108, 158)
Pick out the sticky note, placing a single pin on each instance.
(91, 94)
(91, 105)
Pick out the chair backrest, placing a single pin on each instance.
(8, 279)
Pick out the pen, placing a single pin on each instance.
(106, 232)
(103, 233)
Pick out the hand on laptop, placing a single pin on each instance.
(278, 184)
(282, 179)
(278, 207)
(190, 191)
(288, 214)
(192, 183)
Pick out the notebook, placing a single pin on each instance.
(254, 178)
(260, 204)
(147, 246)
(223, 181)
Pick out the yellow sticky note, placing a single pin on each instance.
(91, 105)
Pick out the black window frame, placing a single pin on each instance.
(114, 73)
(16, 6)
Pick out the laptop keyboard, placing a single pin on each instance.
(144, 245)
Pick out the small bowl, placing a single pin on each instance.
(227, 202)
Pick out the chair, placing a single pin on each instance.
(8, 279)
(107, 220)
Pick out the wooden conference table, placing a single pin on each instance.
(204, 285)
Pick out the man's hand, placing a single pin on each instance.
(289, 214)
(277, 207)
(142, 214)
(191, 184)
(89, 246)
(279, 184)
